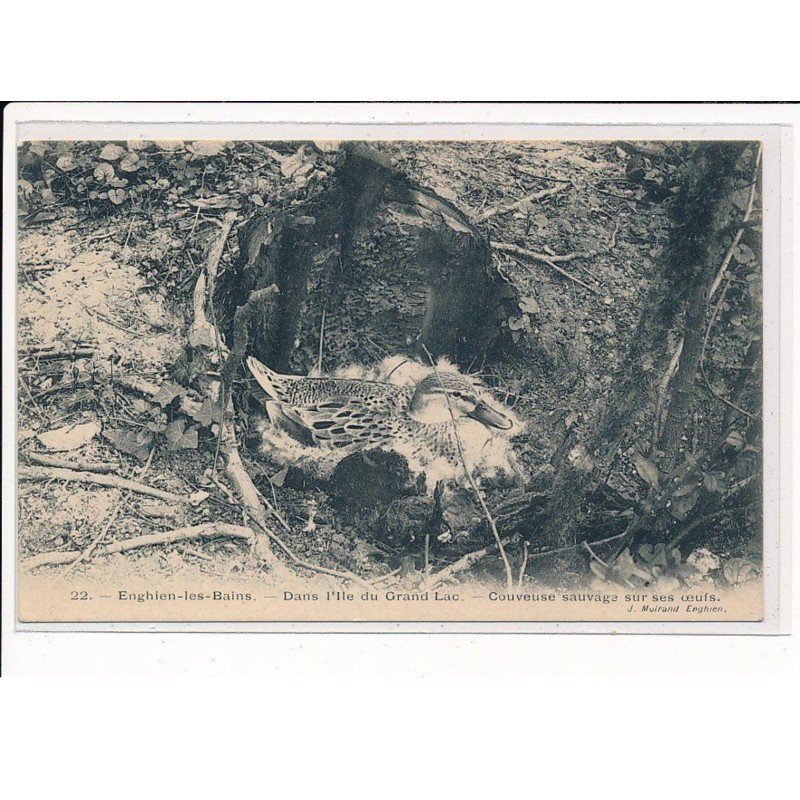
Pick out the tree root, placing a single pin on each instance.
(47, 460)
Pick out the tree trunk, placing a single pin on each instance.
(679, 290)
(387, 264)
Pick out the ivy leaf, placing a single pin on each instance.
(167, 393)
(169, 146)
(117, 196)
(712, 481)
(134, 443)
(739, 570)
(647, 470)
(66, 163)
(735, 439)
(682, 505)
(209, 412)
(180, 439)
(659, 556)
(205, 149)
(624, 568)
(112, 152)
(104, 172)
(130, 163)
(139, 406)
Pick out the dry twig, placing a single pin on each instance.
(25, 473)
(525, 201)
(551, 261)
(46, 460)
(204, 531)
(468, 473)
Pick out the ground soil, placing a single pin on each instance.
(120, 285)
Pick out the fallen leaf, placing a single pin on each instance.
(130, 163)
(326, 147)
(739, 570)
(735, 439)
(290, 164)
(279, 477)
(69, 437)
(112, 152)
(66, 163)
(170, 146)
(205, 148)
(104, 172)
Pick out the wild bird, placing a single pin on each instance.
(401, 405)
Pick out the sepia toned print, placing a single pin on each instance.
(389, 381)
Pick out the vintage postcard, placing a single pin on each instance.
(315, 377)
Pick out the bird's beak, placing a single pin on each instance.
(488, 416)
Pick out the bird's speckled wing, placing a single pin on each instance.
(336, 422)
(298, 390)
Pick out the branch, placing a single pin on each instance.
(662, 392)
(56, 473)
(343, 575)
(684, 532)
(226, 441)
(165, 537)
(51, 354)
(468, 560)
(47, 460)
(465, 562)
(531, 198)
(551, 261)
(532, 174)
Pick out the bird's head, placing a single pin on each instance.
(465, 398)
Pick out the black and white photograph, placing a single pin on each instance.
(390, 380)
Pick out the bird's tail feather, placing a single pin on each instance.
(271, 382)
(287, 420)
